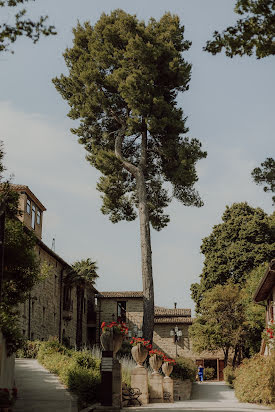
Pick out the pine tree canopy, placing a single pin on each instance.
(244, 240)
(252, 33)
(265, 175)
(124, 77)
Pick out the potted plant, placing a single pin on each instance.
(112, 335)
(140, 350)
(156, 359)
(167, 366)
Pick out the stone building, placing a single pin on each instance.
(128, 307)
(50, 309)
(266, 293)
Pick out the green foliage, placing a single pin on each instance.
(208, 374)
(219, 325)
(266, 175)
(184, 368)
(21, 26)
(79, 371)
(123, 80)
(29, 349)
(21, 266)
(229, 374)
(83, 273)
(10, 330)
(252, 33)
(125, 349)
(255, 380)
(244, 240)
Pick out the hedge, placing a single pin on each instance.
(184, 369)
(229, 374)
(255, 380)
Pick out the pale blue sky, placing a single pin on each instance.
(230, 108)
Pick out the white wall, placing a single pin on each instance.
(6, 366)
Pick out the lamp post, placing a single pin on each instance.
(177, 334)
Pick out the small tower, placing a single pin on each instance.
(32, 209)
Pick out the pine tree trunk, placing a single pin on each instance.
(146, 259)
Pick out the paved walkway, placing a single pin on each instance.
(207, 396)
(39, 390)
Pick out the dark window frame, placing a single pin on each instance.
(121, 310)
(33, 217)
(28, 206)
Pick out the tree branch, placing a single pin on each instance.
(118, 152)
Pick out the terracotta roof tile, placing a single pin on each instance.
(124, 294)
(160, 311)
(177, 320)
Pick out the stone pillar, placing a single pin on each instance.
(168, 388)
(116, 384)
(156, 388)
(139, 380)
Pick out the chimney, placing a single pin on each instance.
(175, 304)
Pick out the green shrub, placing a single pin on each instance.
(84, 383)
(29, 349)
(184, 369)
(208, 373)
(229, 375)
(125, 349)
(79, 371)
(255, 380)
(85, 359)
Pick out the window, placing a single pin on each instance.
(33, 216)
(28, 206)
(38, 217)
(121, 311)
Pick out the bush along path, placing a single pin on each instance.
(39, 390)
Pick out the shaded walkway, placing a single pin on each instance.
(39, 390)
(208, 396)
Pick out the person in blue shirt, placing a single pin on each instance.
(200, 373)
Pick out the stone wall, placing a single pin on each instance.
(166, 343)
(182, 390)
(6, 366)
(43, 314)
(107, 307)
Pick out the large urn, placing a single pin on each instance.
(155, 363)
(167, 369)
(139, 353)
(111, 341)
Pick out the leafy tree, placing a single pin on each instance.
(244, 240)
(266, 175)
(252, 33)
(21, 267)
(21, 26)
(220, 323)
(82, 275)
(124, 76)
(230, 320)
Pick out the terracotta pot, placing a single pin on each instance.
(167, 369)
(139, 353)
(117, 342)
(155, 363)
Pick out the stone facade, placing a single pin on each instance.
(165, 320)
(51, 307)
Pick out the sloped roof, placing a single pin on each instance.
(24, 188)
(160, 311)
(177, 320)
(124, 294)
(266, 284)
